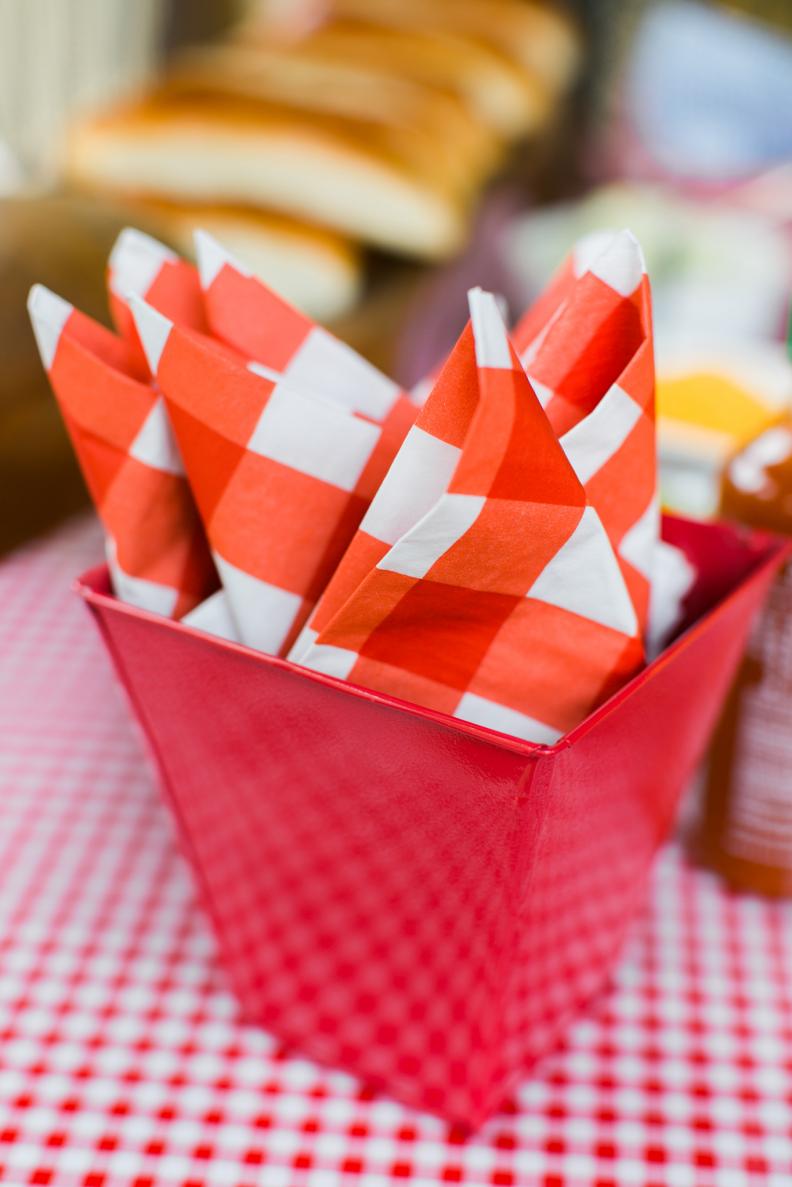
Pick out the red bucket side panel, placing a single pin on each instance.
(360, 864)
(400, 896)
(611, 796)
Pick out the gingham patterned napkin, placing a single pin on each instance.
(284, 344)
(246, 314)
(509, 539)
(140, 266)
(277, 341)
(281, 477)
(488, 586)
(156, 548)
(587, 348)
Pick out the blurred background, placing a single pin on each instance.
(372, 159)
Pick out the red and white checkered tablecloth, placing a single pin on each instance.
(123, 1062)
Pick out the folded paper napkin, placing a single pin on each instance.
(142, 267)
(157, 552)
(490, 555)
(281, 474)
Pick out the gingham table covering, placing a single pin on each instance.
(123, 1062)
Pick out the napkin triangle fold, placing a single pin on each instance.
(489, 554)
(243, 312)
(503, 601)
(587, 348)
(141, 266)
(281, 477)
(156, 548)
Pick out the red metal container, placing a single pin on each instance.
(419, 900)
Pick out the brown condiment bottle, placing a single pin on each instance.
(746, 830)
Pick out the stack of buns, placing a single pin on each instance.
(378, 128)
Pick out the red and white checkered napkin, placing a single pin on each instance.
(587, 347)
(157, 552)
(279, 343)
(247, 315)
(141, 266)
(281, 477)
(482, 582)
(284, 344)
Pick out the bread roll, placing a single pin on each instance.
(309, 79)
(362, 180)
(316, 270)
(540, 38)
(493, 87)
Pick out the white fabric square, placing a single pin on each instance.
(314, 437)
(672, 578)
(588, 248)
(333, 661)
(48, 314)
(264, 614)
(433, 535)
(584, 577)
(419, 475)
(489, 332)
(323, 363)
(214, 617)
(212, 257)
(620, 264)
(155, 444)
(596, 438)
(481, 711)
(135, 262)
(638, 544)
(153, 328)
(303, 644)
(137, 591)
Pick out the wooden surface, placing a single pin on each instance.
(63, 242)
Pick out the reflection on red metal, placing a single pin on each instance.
(418, 900)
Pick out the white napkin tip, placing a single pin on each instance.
(48, 315)
(614, 257)
(489, 330)
(212, 257)
(135, 261)
(153, 330)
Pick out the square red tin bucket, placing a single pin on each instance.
(422, 901)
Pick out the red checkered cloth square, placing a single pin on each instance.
(224, 299)
(482, 582)
(281, 477)
(288, 350)
(156, 548)
(124, 1061)
(587, 348)
(287, 434)
(141, 266)
(285, 345)
(247, 315)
